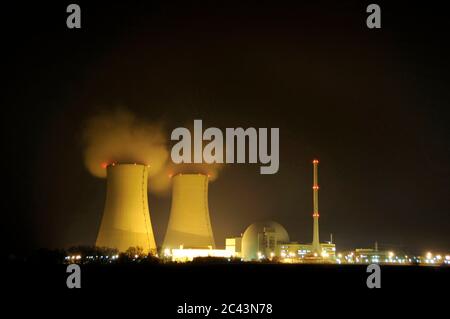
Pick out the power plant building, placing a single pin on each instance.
(126, 222)
(262, 240)
(234, 246)
(269, 240)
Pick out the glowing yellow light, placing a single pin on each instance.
(438, 257)
(391, 254)
(184, 255)
(429, 255)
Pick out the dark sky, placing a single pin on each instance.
(372, 105)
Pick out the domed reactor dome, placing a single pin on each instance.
(260, 239)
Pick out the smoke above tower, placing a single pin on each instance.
(120, 137)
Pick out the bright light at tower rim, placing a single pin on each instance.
(106, 165)
(173, 175)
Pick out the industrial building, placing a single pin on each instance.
(234, 246)
(262, 240)
(270, 240)
(126, 222)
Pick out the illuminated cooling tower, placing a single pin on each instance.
(126, 218)
(189, 223)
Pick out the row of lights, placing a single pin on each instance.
(78, 257)
(351, 258)
(430, 259)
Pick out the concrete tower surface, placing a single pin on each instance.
(316, 243)
(126, 218)
(189, 223)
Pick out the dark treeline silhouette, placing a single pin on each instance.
(81, 254)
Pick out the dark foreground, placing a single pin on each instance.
(288, 288)
(201, 277)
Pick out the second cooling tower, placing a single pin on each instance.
(189, 223)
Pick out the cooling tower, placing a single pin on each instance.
(126, 218)
(189, 223)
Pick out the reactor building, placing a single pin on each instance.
(270, 240)
(126, 218)
(262, 239)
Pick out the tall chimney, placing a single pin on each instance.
(189, 223)
(316, 243)
(126, 218)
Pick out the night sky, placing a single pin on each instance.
(372, 105)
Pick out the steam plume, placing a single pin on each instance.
(120, 137)
(160, 183)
